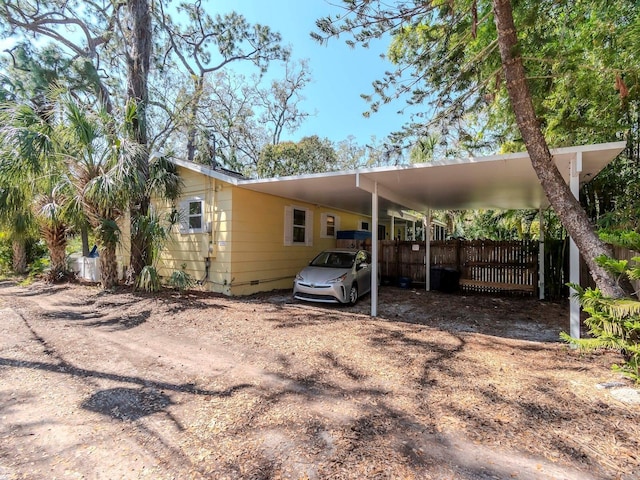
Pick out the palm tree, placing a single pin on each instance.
(50, 213)
(16, 218)
(102, 169)
(26, 164)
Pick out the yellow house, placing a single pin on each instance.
(237, 241)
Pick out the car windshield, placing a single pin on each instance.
(334, 260)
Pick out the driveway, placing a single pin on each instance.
(127, 385)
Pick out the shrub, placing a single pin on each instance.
(181, 280)
(614, 323)
(149, 280)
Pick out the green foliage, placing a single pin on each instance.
(493, 224)
(181, 279)
(614, 323)
(6, 253)
(309, 155)
(149, 280)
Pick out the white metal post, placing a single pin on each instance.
(374, 250)
(427, 255)
(393, 228)
(574, 253)
(541, 257)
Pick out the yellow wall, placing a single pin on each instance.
(246, 244)
(191, 249)
(260, 259)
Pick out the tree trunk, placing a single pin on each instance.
(19, 256)
(56, 240)
(108, 267)
(571, 214)
(192, 129)
(137, 78)
(84, 236)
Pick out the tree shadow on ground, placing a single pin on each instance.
(68, 369)
(127, 403)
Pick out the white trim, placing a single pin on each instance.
(289, 226)
(184, 216)
(205, 170)
(323, 224)
(361, 225)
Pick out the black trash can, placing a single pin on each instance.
(435, 277)
(450, 281)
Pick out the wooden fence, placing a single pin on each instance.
(619, 253)
(479, 265)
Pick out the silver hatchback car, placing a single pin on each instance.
(335, 276)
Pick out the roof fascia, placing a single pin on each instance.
(204, 170)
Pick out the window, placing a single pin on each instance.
(298, 226)
(330, 224)
(195, 215)
(364, 225)
(192, 216)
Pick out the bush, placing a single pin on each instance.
(181, 280)
(36, 254)
(149, 280)
(614, 323)
(6, 253)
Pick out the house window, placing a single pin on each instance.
(195, 215)
(330, 224)
(364, 225)
(192, 216)
(298, 226)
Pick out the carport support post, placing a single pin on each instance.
(374, 250)
(427, 254)
(541, 257)
(574, 253)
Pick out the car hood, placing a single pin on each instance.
(318, 275)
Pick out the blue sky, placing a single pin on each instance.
(340, 73)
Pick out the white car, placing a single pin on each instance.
(335, 276)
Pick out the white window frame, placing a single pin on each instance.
(324, 224)
(289, 226)
(185, 216)
(361, 226)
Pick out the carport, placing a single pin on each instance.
(505, 181)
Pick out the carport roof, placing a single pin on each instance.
(505, 181)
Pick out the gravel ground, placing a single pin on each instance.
(98, 385)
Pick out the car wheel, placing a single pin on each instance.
(353, 294)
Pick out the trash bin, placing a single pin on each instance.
(435, 278)
(450, 281)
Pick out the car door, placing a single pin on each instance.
(363, 271)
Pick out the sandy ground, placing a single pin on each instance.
(97, 385)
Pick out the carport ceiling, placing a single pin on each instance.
(498, 181)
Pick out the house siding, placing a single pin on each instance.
(192, 249)
(247, 252)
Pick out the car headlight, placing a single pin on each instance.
(299, 277)
(338, 279)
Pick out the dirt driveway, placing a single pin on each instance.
(98, 385)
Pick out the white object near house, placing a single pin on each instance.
(86, 268)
